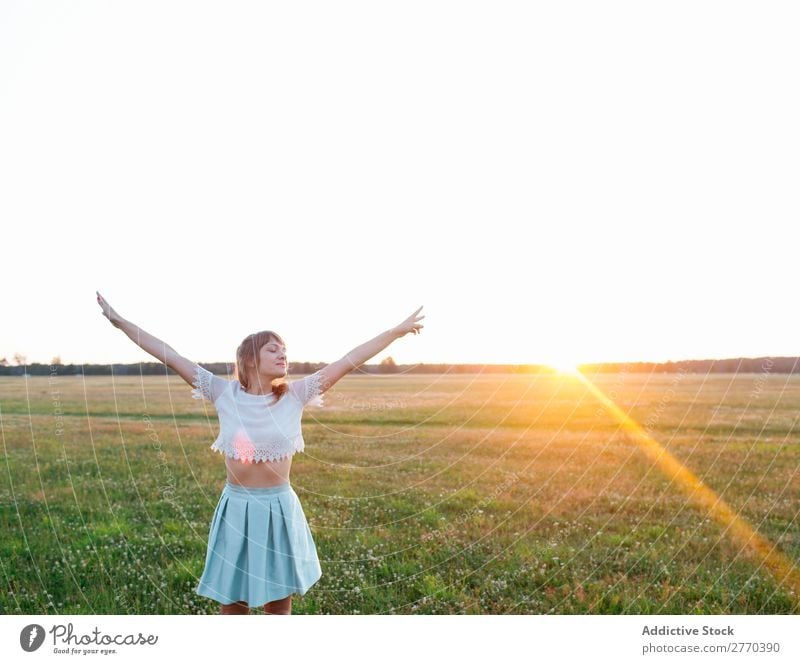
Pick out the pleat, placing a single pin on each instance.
(211, 582)
(257, 559)
(301, 550)
(236, 556)
(282, 578)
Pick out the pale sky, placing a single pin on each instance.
(561, 181)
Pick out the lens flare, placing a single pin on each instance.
(782, 567)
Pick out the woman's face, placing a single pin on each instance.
(273, 359)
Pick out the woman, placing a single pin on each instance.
(260, 548)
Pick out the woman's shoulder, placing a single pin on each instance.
(308, 389)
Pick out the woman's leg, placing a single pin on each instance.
(279, 606)
(238, 609)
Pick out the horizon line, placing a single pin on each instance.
(448, 363)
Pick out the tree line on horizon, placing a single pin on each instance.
(779, 365)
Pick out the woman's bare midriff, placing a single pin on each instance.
(258, 473)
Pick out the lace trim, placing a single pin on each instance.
(314, 388)
(267, 452)
(202, 384)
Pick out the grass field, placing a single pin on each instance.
(425, 494)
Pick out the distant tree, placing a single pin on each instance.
(387, 365)
(3, 362)
(20, 359)
(56, 360)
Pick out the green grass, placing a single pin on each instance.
(425, 494)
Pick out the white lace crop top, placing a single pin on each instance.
(254, 427)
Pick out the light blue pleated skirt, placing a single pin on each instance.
(259, 547)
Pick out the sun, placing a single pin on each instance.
(565, 367)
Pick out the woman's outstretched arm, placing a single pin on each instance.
(162, 351)
(360, 354)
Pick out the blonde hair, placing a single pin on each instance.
(248, 357)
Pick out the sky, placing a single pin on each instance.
(552, 182)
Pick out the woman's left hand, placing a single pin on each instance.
(410, 324)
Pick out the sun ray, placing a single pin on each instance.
(784, 569)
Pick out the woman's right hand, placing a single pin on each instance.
(108, 311)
